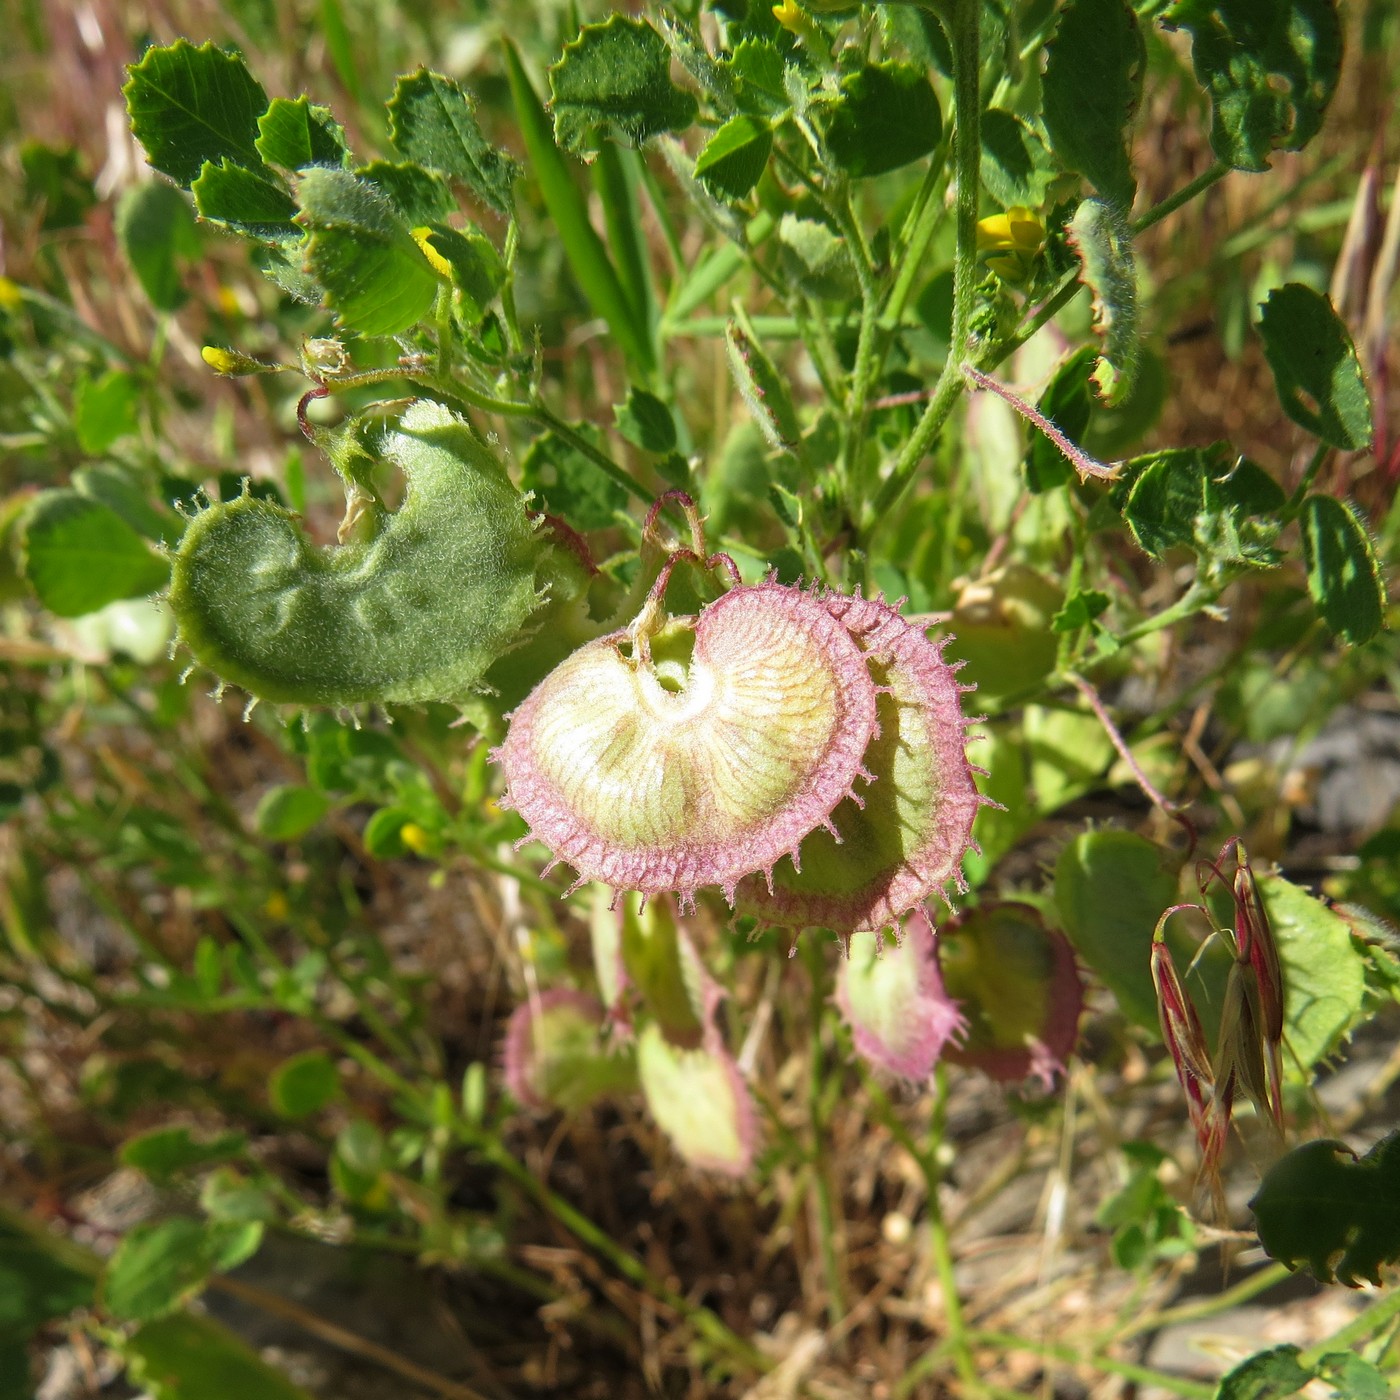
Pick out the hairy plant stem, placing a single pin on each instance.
(926, 222)
(966, 37)
(866, 363)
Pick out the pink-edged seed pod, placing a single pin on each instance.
(698, 752)
(1017, 983)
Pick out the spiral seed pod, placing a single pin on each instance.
(908, 839)
(697, 754)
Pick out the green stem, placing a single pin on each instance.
(1386, 1308)
(1295, 501)
(863, 372)
(1184, 195)
(821, 1185)
(911, 262)
(1129, 1370)
(956, 1336)
(967, 166)
(1257, 1283)
(1197, 597)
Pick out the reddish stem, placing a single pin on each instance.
(1079, 459)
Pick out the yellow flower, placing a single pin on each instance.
(1013, 238)
(436, 261)
(276, 906)
(790, 16)
(415, 838)
(10, 295)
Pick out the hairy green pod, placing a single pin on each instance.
(414, 612)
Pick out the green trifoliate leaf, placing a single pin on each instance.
(432, 123)
(104, 410)
(416, 612)
(569, 484)
(1093, 83)
(297, 134)
(41, 1277)
(189, 1357)
(1110, 889)
(375, 276)
(128, 494)
(1324, 974)
(1315, 367)
(764, 390)
(1202, 499)
(156, 227)
(1270, 69)
(190, 105)
(1352, 1377)
(1344, 577)
(159, 1266)
(166, 1152)
(305, 1084)
(646, 422)
(616, 78)
(1267, 1375)
(886, 116)
(1080, 609)
(1339, 1216)
(251, 202)
(1016, 167)
(731, 162)
(55, 182)
(1101, 237)
(289, 811)
(79, 555)
(421, 196)
(815, 258)
(758, 67)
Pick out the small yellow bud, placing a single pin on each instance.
(276, 906)
(10, 295)
(231, 362)
(423, 238)
(415, 838)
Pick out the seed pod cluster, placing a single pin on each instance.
(800, 750)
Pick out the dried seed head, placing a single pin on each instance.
(908, 839)
(696, 753)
